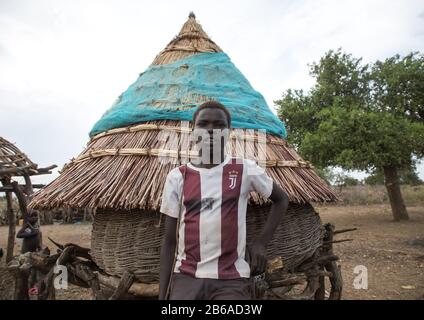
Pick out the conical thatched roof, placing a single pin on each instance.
(122, 166)
(191, 40)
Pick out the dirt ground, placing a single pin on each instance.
(389, 250)
(394, 261)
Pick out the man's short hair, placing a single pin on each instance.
(212, 105)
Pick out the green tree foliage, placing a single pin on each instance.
(360, 117)
(406, 176)
(356, 139)
(342, 180)
(326, 174)
(398, 86)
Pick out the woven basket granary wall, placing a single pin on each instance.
(129, 241)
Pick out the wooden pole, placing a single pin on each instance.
(137, 288)
(12, 227)
(320, 293)
(28, 185)
(9, 188)
(22, 200)
(336, 280)
(124, 285)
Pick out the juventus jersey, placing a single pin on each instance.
(212, 228)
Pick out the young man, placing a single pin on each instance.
(211, 258)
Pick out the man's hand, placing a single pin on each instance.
(256, 257)
(256, 253)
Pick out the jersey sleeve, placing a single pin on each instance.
(259, 179)
(171, 193)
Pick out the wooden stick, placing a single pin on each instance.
(60, 246)
(318, 261)
(336, 279)
(124, 285)
(78, 251)
(46, 169)
(28, 189)
(293, 280)
(14, 170)
(320, 293)
(10, 188)
(137, 288)
(12, 227)
(33, 259)
(344, 230)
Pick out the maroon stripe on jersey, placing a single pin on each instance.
(231, 183)
(192, 203)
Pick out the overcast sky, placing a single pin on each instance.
(63, 63)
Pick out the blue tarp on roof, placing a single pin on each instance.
(173, 91)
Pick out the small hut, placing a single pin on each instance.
(122, 171)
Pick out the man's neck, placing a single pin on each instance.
(209, 164)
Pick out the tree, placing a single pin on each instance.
(410, 177)
(342, 180)
(375, 179)
(398, 86)
(349, 119)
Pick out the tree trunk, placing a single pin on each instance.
(22, 201)
(21, 286)
(46, 217)
(68, 215)
(393, 189)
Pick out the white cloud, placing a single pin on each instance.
(63, 63)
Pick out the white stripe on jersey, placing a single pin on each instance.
(210, 224)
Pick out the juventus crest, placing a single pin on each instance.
(233, 178)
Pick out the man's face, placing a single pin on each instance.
(211, 127)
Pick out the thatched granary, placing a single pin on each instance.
(121, 172)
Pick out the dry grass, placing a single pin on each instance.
(191, 40)
(365, 195)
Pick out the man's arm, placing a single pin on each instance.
(167, 255)
(257, 251)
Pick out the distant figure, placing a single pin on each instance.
(31, 234)
(1, 252)
(32, 242)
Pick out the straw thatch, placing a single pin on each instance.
(13, 162)
(191, 40)
(123, 168)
